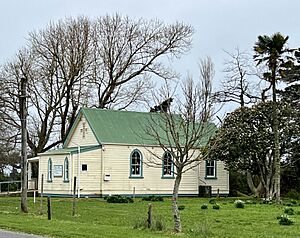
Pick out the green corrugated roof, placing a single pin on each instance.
(127, 127)
(72, 150)
(122, 127)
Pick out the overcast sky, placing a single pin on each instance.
(219, 24)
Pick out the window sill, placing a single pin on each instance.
(210, 178)
(167, 177)
(49, 181)
(66, 181)
(137, 177)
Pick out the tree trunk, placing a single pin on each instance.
(276, 140)
(257, 191)
(177, 221)
(23, 114)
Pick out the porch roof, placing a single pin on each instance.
(71, 150)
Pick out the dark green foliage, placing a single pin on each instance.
(285, 220)
(239, 204)
(181, 207)
(293, 194)
(245, 140)
(204, 206)
(289, 211)
(216, 206)
(294, 202)
(119, 199)
(153, 198)
(212, 201)
(238, 183)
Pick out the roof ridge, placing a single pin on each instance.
(113, 110)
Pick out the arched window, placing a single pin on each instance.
(50, 172)
(167, 166)
(66, 170)
(136, 164)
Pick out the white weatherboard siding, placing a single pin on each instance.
(57, 186)
(77, 138)
(117, 165)
(89, 181)
(221, 181)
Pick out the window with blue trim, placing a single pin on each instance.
(210, 169)
(136, 168)
(168, 166)
(50, 171)
(66, 170)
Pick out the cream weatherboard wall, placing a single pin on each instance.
(89, 181)
(219, 183)
(82, 135)
(117, 166)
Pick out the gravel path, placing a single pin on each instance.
(13, 234)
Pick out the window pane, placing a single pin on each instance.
(167, 164)
(84, 167)
(136, 163)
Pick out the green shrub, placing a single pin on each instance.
(212, 201)
(119, 199)
(293, 194)
(216, 206)
(239, 204)
(204, 206)
(289, 211)
(181, 207)
(293, 202)
(153, 198)
(285, 220)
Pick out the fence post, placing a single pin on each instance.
(49, 208)
(74, 197)
(42, 188)
(149, 220)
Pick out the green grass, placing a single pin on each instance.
(97, 218)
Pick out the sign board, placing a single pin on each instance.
(58, 170)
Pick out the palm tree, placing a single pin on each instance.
(272, 51)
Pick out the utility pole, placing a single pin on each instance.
(23, 116)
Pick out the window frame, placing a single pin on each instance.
(66, 170)
(167, 176)
(214, 166)
(140, 175)
(50, 170)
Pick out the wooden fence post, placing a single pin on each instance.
(149, 220)
(74, 197)
(49, 208)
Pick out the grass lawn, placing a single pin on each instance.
(97, 218)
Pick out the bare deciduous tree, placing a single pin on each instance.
(105, 62)
(183, 132)
(237, 86)
(127, 52)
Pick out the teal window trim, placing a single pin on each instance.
(134, 166)
(66, 170)
(50, 171)
(167, 176)
(214, 176)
